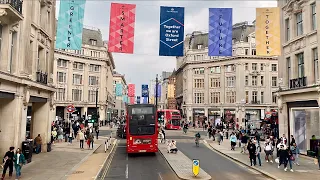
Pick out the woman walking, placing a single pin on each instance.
(268, 149)
(81, 138)
(19, 160)
(233, 140)
(295, 151)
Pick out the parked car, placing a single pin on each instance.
(121, 131)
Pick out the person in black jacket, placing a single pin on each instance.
(283, 156)
(252, 153)
(8, 162)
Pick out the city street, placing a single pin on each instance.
(137, 167)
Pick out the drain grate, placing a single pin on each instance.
(78, 172)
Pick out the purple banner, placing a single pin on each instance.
(220, 32)
(145, 100)
(159, 90)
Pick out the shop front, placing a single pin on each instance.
(229, 116)
(304, 123)
(198, 116)
(214, 116)
(254, 118)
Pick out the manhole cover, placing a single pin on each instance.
(78, 172)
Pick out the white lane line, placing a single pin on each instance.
(160, 176)
(127, 171)
(127, 157)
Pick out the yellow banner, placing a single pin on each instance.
(151, 100)
(171, 91)
(268, 31)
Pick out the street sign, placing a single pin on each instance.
(195, 166)
(71, 109)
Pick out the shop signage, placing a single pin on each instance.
(71, 108)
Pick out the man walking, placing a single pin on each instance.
(8, 163)
(38, 141)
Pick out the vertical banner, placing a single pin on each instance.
(132, 100)
(118, 89)
(131, 90)
(171, 91)
(125, 99)
(151, 100)
(159, 90)
(121, 32)
(145, 100)
(138, 99)
(144, 90)
(171, 31)
(268, 31)
(70, 24)
(220, 32)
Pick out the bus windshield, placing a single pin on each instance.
(142, 124)
(175, 122)
(175, 113)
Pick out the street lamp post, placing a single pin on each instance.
(97, 105)
(157, 92)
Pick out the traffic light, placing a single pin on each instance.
(94, 119)
(160, 116)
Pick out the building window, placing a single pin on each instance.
(93, 80)
(76, 95)
(215, 97)
(198, 70)
(215, 69)
(313, 18)
(246, 51)
(77, 65)
(61, 94)
(230, 68)
(254, 96)
(274, 81)
(198, 98)
(62, 63)
(94, 68)
(315, 64)
(287, 26)
(299, 23)
(262, 97)
(231, 97)
(261, 80)
(262, 67)
(246, 66)
(92, 96)
(61, 77)
(254, 80)
(214, 82)
(77, 79)
(253, 52)
(274, 67)
(231, 81)
(93, 42)
(247, 80)
(274, 98)
(254, 66)
(289, 68)
(198, 83)
(200, 46)
(247, 96)
(13, 49)
(300, 65)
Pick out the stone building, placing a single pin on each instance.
(27, 32)
(80, 74)
(298, 99)
(120, 108)
(235, 88)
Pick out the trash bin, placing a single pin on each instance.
(49, 147)
(27, 150)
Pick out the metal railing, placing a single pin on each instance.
(16, 4)
(298, 82)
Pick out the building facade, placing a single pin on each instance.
(27, 31)
(164, 82)
(83, 75)
(120, 108)
(234, 88)
(298, 98)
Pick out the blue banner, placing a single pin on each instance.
(118, 89)
(70, 24)
(145, 100)
(145, 90)
(125, 99)
(159, 91)
(171, 31)
(220, 32)
(138, 99)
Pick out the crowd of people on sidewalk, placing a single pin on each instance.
(284, 153)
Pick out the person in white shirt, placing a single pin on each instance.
(173, 148)
(268, 149)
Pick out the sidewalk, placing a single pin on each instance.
(306, 170)
(181, 164)
(58, 163)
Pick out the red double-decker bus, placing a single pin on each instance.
(171, 118)
(142, 131)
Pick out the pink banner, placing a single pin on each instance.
(132, 100)
(131, 90)
(121, 32)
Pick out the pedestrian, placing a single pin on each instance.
(283, 139)
(81, 138)
(252, 153)
(221, 136)
(60, 134)
(318, 154)
(164, 133)
(258, 151)
(70, 137)
(283, 156)
(292, 140)
(244, 141)
(295, 152)
(268, 149)
(8, 163)
(19, 161)
(38, 142)
(290, 158)
(91, 140)
(97, 131)
(233, 140)
(209, 132)
(54, 135)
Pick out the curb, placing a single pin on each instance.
(254, 168)
(104, 162)
(83, 160)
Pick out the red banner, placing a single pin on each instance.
(132, 100)
(131, 90)
(121, 32)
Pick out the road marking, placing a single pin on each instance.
(160, 176)
(127, 171)
(112, 153)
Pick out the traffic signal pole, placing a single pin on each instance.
(97, 106)
(157, 92)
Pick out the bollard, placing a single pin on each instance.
(105, 146)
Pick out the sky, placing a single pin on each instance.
(143, 65)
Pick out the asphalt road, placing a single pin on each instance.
(216, 165)
(107, 132)
(138, 167)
